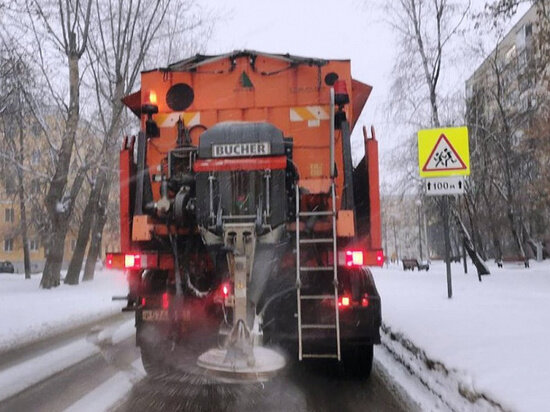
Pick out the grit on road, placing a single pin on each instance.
(113, 379)
(313, 387)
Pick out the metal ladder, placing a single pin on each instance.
(304, 269)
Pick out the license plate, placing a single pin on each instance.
(155, 315)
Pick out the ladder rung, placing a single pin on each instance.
(321, 213)
(318, 326)
(316, 268)
(320, 240)
(318, 297)
(320, 355)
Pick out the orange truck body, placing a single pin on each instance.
(257, 87)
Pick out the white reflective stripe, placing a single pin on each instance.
(170, 119)
(308, 113)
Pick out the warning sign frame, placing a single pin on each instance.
(456, 139)
(443, 137)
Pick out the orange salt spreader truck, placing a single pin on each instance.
(244, 224)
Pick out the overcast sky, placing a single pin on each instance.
(349, 29)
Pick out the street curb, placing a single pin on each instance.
(449, 386)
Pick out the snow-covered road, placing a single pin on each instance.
(57, 357)
(484, 349)
(102, 371)
(68, 373)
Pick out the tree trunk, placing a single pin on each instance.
(54, 257)
(24, 236)
(97, 231)
(75, 266)
(515, 234)
(21, 194)
(480, 265)
(497, 246)
(476, 235)
(56, 241)
(92, 209)
(58, 217)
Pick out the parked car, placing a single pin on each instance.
(6, 267)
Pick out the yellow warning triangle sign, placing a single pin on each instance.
(443, 157)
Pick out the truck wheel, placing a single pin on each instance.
(357, 361)
(153, 349)
(153, 364)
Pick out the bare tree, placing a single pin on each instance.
(121, 40)
(508, 104)
(426, 31)
(66, 26)
(16, 84)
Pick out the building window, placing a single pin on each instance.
(9, 183)
(36, 129)
(33, 245)
(8, 245)
(35, 186)
(35, 158)
(9, 215)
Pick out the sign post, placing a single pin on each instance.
(447, 237)
(443, 161)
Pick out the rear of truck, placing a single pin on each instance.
(243, 218)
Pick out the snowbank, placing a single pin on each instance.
(28, 313)
(491, 338)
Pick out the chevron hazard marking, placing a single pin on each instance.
(170, 119)
(307, 113)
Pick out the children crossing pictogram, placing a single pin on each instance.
(443, 157)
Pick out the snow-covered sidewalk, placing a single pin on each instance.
(28, 313)
(487, 346)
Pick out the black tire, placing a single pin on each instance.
(153, 364)
(154, 350)
(357, 361)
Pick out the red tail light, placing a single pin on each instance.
(365, 300)
(354, 258)
(226, 288)
(109, 260)
(132, 261)
(344, 301)
(143, 301)
(380, 257)
(165, 301)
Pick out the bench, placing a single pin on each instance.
(455, 259)
(410, 264)
(512, 259)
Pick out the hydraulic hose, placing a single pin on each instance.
(179, 290)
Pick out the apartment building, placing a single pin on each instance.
(11, 244)
(509, 75)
